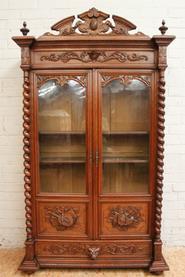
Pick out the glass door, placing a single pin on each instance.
(125, 125)
(64, 135)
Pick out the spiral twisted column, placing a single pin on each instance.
(160, 153)
(27, 154)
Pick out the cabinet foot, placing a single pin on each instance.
(157, 267)
(29, 266)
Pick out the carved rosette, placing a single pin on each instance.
(124, 218)
(27, 153)
(61, 79)
(62, 218)
(94, 56)
(125, 79)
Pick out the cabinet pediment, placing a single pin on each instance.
(93, 22)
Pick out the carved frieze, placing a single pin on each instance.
(62, 218)
(94, 56)
(93, 250)
(124, 218)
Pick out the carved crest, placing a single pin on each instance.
(125, 217)
(62, 218)
(93, 22)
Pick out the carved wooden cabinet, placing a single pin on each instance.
(93, 144)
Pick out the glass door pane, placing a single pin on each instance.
(125, 127)
(62, 136)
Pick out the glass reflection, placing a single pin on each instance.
(125, 124)
(61, 123)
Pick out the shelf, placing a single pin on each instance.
(62, 133)
(126, 133)
(83, 133)
(64, 160)
(125, 160)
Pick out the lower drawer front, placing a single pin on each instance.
(94, 250)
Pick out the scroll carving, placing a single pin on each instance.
(61, 79)
(66, 249)
(125, 79)
(93, 250)
(93, 22)
(94, 56)
(62, 218)
(115, 249)
(124, 218)
(27, 153)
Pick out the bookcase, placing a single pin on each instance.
(93, 126)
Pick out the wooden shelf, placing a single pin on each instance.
(126, 133)
(125, 160)
(62, 133)
(62, 160)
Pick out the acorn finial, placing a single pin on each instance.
(163, 28)
(24, 30)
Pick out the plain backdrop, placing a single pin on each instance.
(40, 15)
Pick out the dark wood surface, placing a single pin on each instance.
(86, 229)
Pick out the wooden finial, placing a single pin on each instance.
(24, 30)
(163, 28)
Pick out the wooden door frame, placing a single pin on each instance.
(38, 195)
(152, 143)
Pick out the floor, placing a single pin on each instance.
(10, 259)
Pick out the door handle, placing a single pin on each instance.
(90, 157)
(96, 158)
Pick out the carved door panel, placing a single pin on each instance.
(64, 153)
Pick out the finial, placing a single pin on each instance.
(163, 28)
(24, 30)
